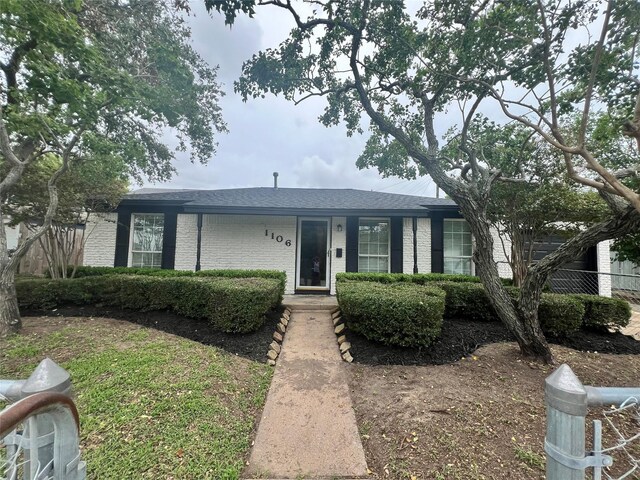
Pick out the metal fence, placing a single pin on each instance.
(615, 450)
(39, 427)
(618, 285)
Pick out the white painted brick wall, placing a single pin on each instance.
(504, 269)
(239, 242)
(338, 240)
(186, 241)
(604, 268)
(423, 243)
(100, 246)
(407, 245)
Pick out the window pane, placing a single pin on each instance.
(373, 245)
(458, 247)
(147, 240)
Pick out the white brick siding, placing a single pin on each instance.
(338, 240)
(100, 246)
(504, 269)
(239, 242)
(423, 243)
(604, 268)
(186, 242)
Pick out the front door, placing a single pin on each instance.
(313, 254)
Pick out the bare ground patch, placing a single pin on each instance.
(482, 417)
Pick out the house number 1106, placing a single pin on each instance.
(277, 238)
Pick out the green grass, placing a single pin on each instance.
(151, 405)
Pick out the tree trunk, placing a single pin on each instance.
(521, 322)
(10, 321)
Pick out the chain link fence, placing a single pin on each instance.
(617, 285)
(614, 453)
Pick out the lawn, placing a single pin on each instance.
(152, 405)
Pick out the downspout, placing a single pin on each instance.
(199, 245)
(415, 244)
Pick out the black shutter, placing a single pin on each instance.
(437, 244)
(169, 240)
(121, 257)
(396, 244)
(352, 244)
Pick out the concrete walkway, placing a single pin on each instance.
(308, 427)
(633, 328)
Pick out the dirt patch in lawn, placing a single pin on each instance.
(461, 338)
(479, 418)
(253, 346)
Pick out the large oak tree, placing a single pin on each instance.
(543, 64)
(89, 79)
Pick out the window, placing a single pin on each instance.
(373, 245)
(457, 247)
(146, 248)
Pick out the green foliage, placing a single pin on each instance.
(419, 278)
(603, 313)
(84, 271)
(560, 315)
(628, 248)
(115, 73)
(467, 301)
(235, 305)
(395, 314)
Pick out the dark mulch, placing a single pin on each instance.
(253, 346)
(461, 338)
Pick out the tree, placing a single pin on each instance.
(403, 69)
(95, 79)
(525, 213)
(93, 185)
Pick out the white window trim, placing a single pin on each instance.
(385, 219)
(473, 241)
(131, 231)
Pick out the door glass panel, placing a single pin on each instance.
(313, 253)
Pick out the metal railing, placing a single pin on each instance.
(615, 452)
(39, 427)
(618, 285)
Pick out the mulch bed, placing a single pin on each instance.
(460, 338)
(253, 346)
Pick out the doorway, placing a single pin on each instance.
(313, 254)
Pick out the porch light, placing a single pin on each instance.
(339, 227)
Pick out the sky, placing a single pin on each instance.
(271, 134)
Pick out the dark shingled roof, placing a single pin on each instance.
(283, 199)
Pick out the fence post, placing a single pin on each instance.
(566, 401)
(38, 436)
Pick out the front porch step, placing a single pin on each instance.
(310, 302)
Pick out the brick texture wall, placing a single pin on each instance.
(423, 241)
(100, 246)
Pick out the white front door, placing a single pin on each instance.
(313, 265)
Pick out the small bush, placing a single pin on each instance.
(231, 304)
(398, 314)
(467, 301)
(602, 313)
(560, 314)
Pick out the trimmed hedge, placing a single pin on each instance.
(602, 313)
(401, 314)
(235, 305)
(467, 301)
(419, 278)
(85, 271)
(560, 314)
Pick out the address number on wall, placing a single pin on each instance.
(277, 238)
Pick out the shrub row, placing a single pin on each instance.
(235, 305)
(86, 271)
(401, 314)
(558, 314)
(419, 278)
